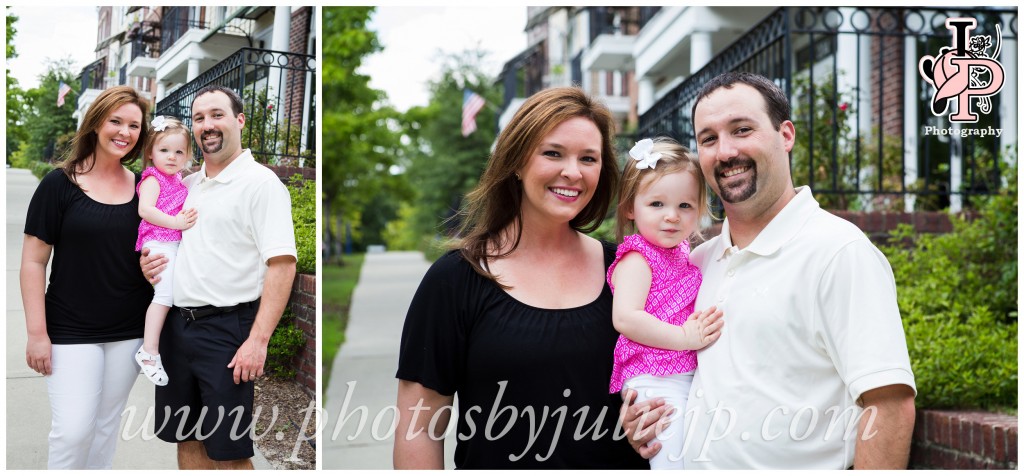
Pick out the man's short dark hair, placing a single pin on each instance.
(775, 100)
(236, 100)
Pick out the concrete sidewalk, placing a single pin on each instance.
(362, 386)
(28, 407)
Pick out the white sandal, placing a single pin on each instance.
(155, 371)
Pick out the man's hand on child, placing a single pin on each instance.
(152, 266)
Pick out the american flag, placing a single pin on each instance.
(63, 91)
(472, 103)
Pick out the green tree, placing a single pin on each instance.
(15, 131)
(445, 165)
(48, 127)
(363, 154)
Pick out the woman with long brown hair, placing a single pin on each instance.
(516, 320)
(84, 328)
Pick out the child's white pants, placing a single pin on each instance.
(162, 291)
(675, 389)
(88, 388)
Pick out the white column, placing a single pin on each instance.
(645, 95)
(161, 90)
(700, 50)
(956, 165)
(282, 28)
(911, 124)
(279, 42)
(1008, 95)
(193, 69)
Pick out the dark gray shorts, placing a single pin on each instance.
(201, 401)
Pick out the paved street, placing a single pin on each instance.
(362, 384)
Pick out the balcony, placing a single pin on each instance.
(522, 76)
(610, 52)
(143, 58)
(860, 106)
(277, 90)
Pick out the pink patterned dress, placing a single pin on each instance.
(674, 285)
(171, 200)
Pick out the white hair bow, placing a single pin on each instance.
(641, 152)
(159, 123)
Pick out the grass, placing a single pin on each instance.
(338, 283)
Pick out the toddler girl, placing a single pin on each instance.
(663, 197)
(168, 150)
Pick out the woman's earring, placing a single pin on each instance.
(518, 177)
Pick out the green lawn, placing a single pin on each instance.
(338, 283)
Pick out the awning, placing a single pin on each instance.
(116, 37)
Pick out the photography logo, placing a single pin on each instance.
(964, 72)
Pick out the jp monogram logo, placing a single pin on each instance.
(964, 71)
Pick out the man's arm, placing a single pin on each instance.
(884, 436)
(277, 287)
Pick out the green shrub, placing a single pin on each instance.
(957, 294)
(303, 195)
(286, 342)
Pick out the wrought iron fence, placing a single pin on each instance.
(176, 21)
(93, 75)
(277, 90)
(523, 75)
(861, 108)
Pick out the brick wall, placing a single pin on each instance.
(887, 75)
(878, 225)
(303, 305)
(286, 171)
(964, 440)
(297, 43)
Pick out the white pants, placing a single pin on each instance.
(88, 389)
(675, 389)
(162, 293)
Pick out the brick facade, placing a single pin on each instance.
(887, 86)
(298, 43)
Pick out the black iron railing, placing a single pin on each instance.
(846, 73)
(277, 90)
(176, 21)
(646, 14)
(523, 75)
(93, 75)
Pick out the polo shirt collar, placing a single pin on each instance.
(232, 170)
(780, 230)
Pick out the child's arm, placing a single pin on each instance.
(632, 280)
(149, 190)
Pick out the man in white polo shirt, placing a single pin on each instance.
(811, 370)
(232, 279)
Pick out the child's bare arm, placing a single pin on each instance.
(632, 280)
(149, 190)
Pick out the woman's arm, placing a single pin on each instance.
(35, 254)
(149, 191)
(419, 444)
(632, 280)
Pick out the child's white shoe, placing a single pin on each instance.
(155, 371)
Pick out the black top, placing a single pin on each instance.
(516, 369)
(97, 291)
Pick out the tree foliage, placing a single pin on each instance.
(444, 165)
(47, 127)
(15, 133)
(362, 145)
